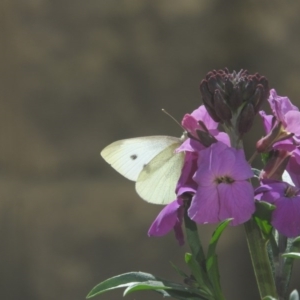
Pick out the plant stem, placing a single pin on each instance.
(260, 260)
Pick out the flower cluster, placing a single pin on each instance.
(215, 179)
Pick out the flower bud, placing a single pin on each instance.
(206, 138)
(221, 108)
(208, 100)
(223, 93)
(245, 119)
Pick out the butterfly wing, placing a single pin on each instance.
(158, 179)
(129, 156)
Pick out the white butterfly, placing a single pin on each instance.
(151, 162)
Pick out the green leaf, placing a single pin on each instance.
(177, 290)
(194, 240)
(147, 285)
(263, 215)
(292, 255)
(269, 298)
(196, 261)
(137, 281)
(196, 270)
(199, 274)
(215, 238)
(119, 281)
(179, 272)
(184, 295)
(212, 259)
(294, 295)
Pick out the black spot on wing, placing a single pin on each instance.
(133, 156)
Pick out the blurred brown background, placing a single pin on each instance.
(78, 75)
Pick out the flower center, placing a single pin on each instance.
(224, 179)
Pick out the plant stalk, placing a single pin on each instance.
(257, 245)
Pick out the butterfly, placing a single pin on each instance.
(150, 161)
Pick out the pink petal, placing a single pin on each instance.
(236, 201)
(205, 206)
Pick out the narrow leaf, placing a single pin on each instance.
(120, 281)
(198, 273)
(179, 272)
(148, 285)
(176, 290)
(212, 259)
(215, 238)
(194, 240)
(292, 255)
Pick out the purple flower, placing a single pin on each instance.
(223, 189)
(284, 124)
(286, 198)
(283, 132)
(293, 166)
(171, 216)
(285, 112)
(200, 120)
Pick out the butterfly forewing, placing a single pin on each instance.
(129, 156)
(158, 179)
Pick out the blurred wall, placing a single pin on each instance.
(78, 75)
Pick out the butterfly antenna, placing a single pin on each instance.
(172, 118)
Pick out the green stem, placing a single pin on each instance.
(286, 268)
(257, 245)
(194, 241)
(198, 267)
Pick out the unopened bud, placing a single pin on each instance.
(221, 108)
(235, 98)
(207, 98)
(245, 119)
(206, 138)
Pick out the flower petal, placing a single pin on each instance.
(286, 216)
(236, 201)
(166, 219)
(205, 206)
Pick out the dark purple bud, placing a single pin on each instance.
(206, 95)
(258, 98)
(206, 138)
(235, 98)
(249, 89)
(207, 99)
(212, 113)
(202, 125)
(228, 88)
(212, 84)
(266, 91)
(235, 89)
(221, 108)
(245, 119)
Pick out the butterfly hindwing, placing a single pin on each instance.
(158, 179)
